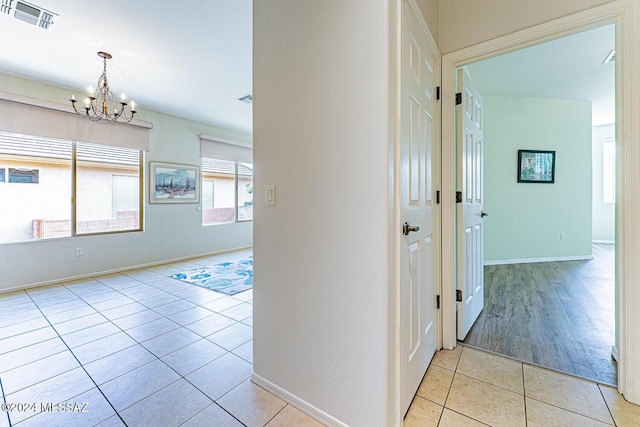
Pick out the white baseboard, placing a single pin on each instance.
(615, 354)
(315, 413)
(116, 270)
(528, 260)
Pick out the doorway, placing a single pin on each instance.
(547, 301)
(625, 16)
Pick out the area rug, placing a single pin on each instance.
(226, 277)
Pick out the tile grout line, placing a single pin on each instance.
(524, 395)
(77, 360)
(134, 300)
(607, 404)
(4, 401)
(142, 345)
(455, 372)
(137, 343)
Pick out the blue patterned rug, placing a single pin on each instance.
(226, 277)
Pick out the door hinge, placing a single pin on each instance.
(438, 302)
(458, 196)
(458, 295)
(437, 197)
(438, 93)
(458, 98)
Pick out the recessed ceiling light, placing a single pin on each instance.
(247, 99)
(611, 57)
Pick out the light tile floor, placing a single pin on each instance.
(137, 349)
(142, 349)
(468, 387)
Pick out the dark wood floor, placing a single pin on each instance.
(558, 315)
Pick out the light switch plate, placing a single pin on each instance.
(270, 194)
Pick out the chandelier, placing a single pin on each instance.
(102, 105)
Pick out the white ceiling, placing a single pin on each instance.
(567, 68)
(191, 58)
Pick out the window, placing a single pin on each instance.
(106, 198)
(225, 185)
(39, 197)
(245, 192)
(30, 210)
(609, 171)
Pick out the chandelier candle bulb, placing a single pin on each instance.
(123, 97)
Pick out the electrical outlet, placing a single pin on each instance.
(563, 236)
(79, 252)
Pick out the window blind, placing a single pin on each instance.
(29, 116)
(225, 149)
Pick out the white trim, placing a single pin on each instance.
(50, 105)
(626, 15)
(116, 270)
(394, 218)
(606, 242)
(302, 405)
(614, 353)
(628, 200)
(530, 260)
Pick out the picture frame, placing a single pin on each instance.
(174, 183)
(536, 166)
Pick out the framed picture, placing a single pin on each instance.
(174, 183)
(536, 166)
(2, 175)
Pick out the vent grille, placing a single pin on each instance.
(28, 12)
(247, 99)
(611, 57)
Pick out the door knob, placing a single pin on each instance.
(483, 214)
(406, 228)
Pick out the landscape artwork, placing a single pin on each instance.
(173, 183)
(536, 166)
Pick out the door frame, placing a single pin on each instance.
(625, 14)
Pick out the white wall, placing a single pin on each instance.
(526, 220)
(170, 231)
(464, 23)
(604, 220)
(321, 137)
(430, 11)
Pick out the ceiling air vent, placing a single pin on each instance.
(5, 6)
(611, 57)
(247, 99)
(28, 12)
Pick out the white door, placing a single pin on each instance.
(419, 156)
(470, 285)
